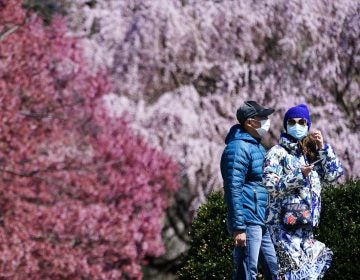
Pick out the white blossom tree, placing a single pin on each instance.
(182, 67)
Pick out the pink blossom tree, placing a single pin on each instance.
(182, 67)
(82, 196)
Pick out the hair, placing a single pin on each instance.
(309, 148)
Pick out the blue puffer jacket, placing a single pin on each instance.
(241, 169)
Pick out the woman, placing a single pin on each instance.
(292, 180)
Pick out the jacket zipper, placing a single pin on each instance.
(255, 200)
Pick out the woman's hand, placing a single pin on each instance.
(306, 169)
(318, 139)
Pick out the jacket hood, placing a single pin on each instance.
(236, 132)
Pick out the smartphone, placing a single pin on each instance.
(316, 161)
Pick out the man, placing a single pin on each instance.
(245, 195)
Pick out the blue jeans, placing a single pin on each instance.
(258, 247)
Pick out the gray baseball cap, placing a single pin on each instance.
(252, 109)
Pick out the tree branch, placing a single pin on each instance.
(7, 32)
(20, 174)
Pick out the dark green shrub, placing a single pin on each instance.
(340, 230)
(209, 256)
(46, 8)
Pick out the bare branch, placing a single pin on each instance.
(20, 174)
(7, 32)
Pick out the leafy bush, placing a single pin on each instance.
(45, 8)
(340, 229)
(210, 254)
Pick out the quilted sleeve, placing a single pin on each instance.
(330, 168)
(234, 167)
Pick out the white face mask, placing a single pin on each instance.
(297, 131)
(265, 125)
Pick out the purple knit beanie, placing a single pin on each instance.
(299, 111)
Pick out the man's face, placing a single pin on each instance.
(255, 122)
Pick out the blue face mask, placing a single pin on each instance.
(297, 131)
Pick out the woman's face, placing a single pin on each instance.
(294, 121)
(297, 128)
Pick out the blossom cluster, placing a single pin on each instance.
(82, 195)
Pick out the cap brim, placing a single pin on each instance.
(265, 112)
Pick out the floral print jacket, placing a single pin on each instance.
(286, 184)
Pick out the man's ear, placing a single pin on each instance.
(247, 122)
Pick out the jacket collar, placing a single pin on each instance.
(236, 132)
(290, 144)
